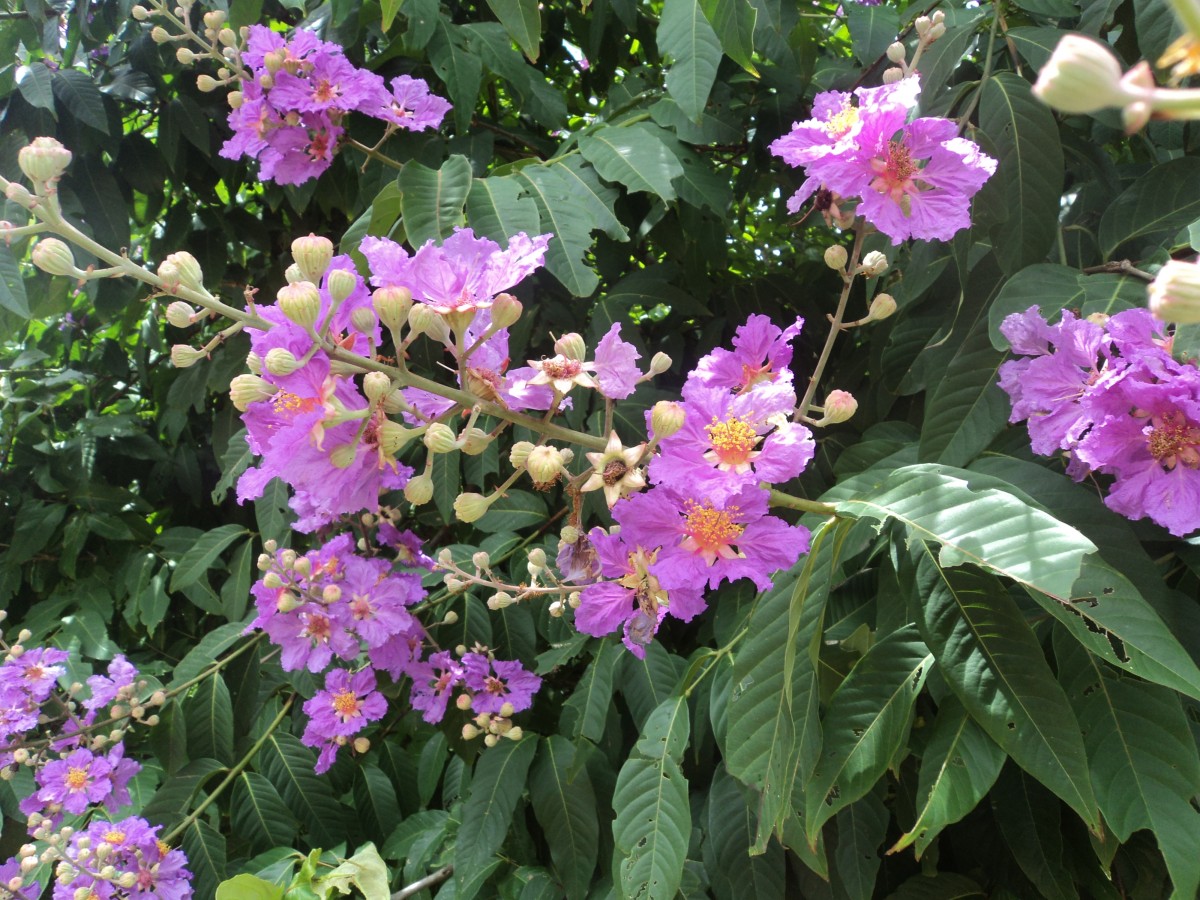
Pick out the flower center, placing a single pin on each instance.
(360, 607)
(325, 91)
(1172, 440)
(899, 164)
(319, 148)
(345, 704)
(319, 628)
(711, 531)
(894, 174)
(752, 375)
(614, 472)
(733, 442)
(292, 404)
(34, 673)
(561, 368)
(76, 779)
(841, 122)
(114, 837)
(494, 685)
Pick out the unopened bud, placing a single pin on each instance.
(235, 99)
(440, 438)
(666, 418)
(659, 363)
(363, 320)
(331, 593)
(341, 284)
(474, 440)
(506, 310)
(43, 160)
(470, 507)
(183, 270)
(19, 194)
(206, 84)
(519, 454)
(450, 618)
(569, 535)
(254, 363)
(292, 274)
(893, 75)
(214, 19)
(53, 256)
(515, 733)
(280, 361)
(537, 558)
(183, 356)
(1082, 75)
(247, 389)
(1174, 295)
(300, 302)
(873, 264)
(491, 740)
(555, 609)
(881, 307)
(392, 305)
(895, 52)
(544, 464)
(419, 490)
(424, 320)
(469, 732)
(343, 456)
(574, 599)
(922, 24)
(140, 13)
(180, 314)
(362, 744)
(571, 346)
(836, 256)
(937, 30)
(376, 385)
(312, 254)
(185, 56)
(500, 600)
(393, 437)
(839, 406)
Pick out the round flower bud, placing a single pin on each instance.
(881, 307)
(331, 593)
(470, 732)
(214, 19)
(341, 284)
(254, 363)
(363, 320)
(1175, 293)
(440, 438)
(836, 256)
(839, 406)
(569, 535)
(666, 418)
(937, 30)
(500, 600)
(392, 305)
(424, 320)
(470, 507)
(519, 454)
(892, 75)
(281, 361)
(571, 346)
(922, 24)
(481, 559)
(491, 740)
(184, 56)
(474, 440)
(235, 99)
(394, 403)
(53, 256)
(19, 194)
(183, 356)
(376, 385)
(206, 84)
(312, 254)
(43, 160)
(873, 264)
(506, 310)
(419, 490)
(537, 558)
(895, 52)
(659, 363)
(515, 733)
(140, 13)
(292, 274)
(180, 314)
(1082, 75)
(393, 437)
(544, 465)
(574, 599)
(273, 581)
(362, 744)
(555, 609)
(184, 271)
(300, 302)
(247, 389)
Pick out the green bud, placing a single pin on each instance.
(312, 254)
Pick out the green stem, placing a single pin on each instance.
(373, 153)
(233, 774)
(790, 501)
(987, 70)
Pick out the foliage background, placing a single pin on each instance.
(977, 655)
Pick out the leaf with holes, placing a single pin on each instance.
(652, 827)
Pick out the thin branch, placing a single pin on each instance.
(428, 881)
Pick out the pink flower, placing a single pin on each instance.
(496, 682)
(615, 366)
(762, 353)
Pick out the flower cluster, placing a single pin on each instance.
(705, 521)
(288, 114)
(1107, 391)
(123, 859)
(913, 179)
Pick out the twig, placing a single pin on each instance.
(1119, 267)
(428, 881)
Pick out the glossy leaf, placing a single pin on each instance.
(208, 710)
(260, 813)
(288, 765)
(565, 805)
(636, 156)
(203, 554)
(731, 826)
(652, 826)
(433, 200)
(687, 39)
(497, 209)
(206, 855)
(733, 21)
(522, 20)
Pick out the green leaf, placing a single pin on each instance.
(259, 814)
(646, 683)
(733, 21)
(104, 206)
(12, 285)
(1153, 209)
(248, 887)
(375, 800)
(77, 92)
(205, 653)
(1143, 759)
(203, 554)
(1031, 823)
(565, 807)
(958, 768)
(942, 886)
(515, 511)
(1035, 43)
(666, 730)
(867, 722)
(729, 830)
(976, 520)
(688, 40)
(365, 870)
(433, 200)
(634, 155)
(209, 714)
(531, 92)
(496, 208)
(388, 10)
(288, 765)
(591, 699)
(35, 82)
(967, 408)
(522, 20)
(496, 787)
(861, 827)
(205, 849)
(652, 826)
(460, 70)
(995, 666)
(1028, 180)
(872, 30)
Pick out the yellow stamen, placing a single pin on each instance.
(346, 704)
(733, 441)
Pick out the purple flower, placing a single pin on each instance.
(134, 848)
(73, 782)
(616, 368)
(33, 673)
(311, 635)
(346, 705)
(10, 871)
(330, 83)
(121, 675)
(409, 548)
(635, 602)
(762, 352)
(433, 682)
(496, 682)
(410, 105)
(376, 599)
(296, 153)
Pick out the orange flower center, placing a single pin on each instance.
(77, 779)
(710, 531)
(1172, 440)
(114, 837)
(733, 441)
(325, 91)
(346, 704)
(292, 404)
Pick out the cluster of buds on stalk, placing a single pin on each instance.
(929, 29)
(493, 727)
(213, 40)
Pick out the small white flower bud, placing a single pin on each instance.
(835, 257)
(392, 305)
(363, 320)
(544, 464)
(343, 456)
(569, 534)
(312, 254)
(873, 264)
(1082, 75)
(537, 558)
(895, 52)
(881, 307)
(140, 13)
(440, 438)
(281, 361)
(666, 418)
(185, 56)
(470, 506)
(53, 256)
(506, 310)
(922, 24)
(292, 274)
(424, 320)
(500, 600)
(571, 346)
(519, 453)
(474, 440)
(470, 732)
(341, 284)
(480, 559)
(300, 302)
(180, 314)
(839, 406)
(376, 385)
(247, 389)
(659, 363)
(43, 160)
(254, 363)
(206, 84)
(892, 75)
(419, 490)
(1174, 295)
(214, 19)
(183, 356)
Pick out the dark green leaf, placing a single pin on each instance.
(636, 156)
(565, 806)
(861, 827)
(78, 93)
(592, 696)
(460, 70)
(872, 30)
(433, 200)
(515, 511)
(259, 813)
(652, 826)
(1031, 823)
(209, 714)
(521, 19)
(496, 787)
(203, 554)
(1152, 209)
(205, 849)
(730, 829)
(687, 39)
(288, 765)
(733, 22)
(35, 82)
(497, 209)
